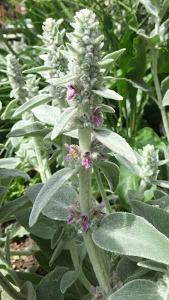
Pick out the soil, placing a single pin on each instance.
(24, 262)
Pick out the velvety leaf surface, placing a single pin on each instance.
(116, 143)
(137, 289)
(57, 207)
(48, 191)
(158, 217)
(127, 234)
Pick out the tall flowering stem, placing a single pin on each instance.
(95, 254)
(85, 53)
(23, 90)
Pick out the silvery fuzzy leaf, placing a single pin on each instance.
(35, 101)
(166, 98)
(29, 291)
(128, 234)
(158, 217)
(139, 289)
(9, 109)
(9, 162)
(107, 109)
(12, 173)
(37, 70)
(33, 129)
(72, 133)
(114, 55)
(46, 114)
(67, 280)
(57, 207)
(109, 94)
(110, 171)
(152, 265)
(116, 143)
(11, 207)
(49, 286)
(161, 183)
(48, 191)
(152, 6)
(105, 62)
(63, 121)
(62, 80)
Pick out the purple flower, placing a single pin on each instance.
(87, 160)
(71, 93)
(67, 157)
(71, 215)
(84, 221)
(96, 117)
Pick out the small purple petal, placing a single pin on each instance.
(96, 117)
(84, 221)
(86, 160)
(67, 157)
(71, 216)
(71, 93)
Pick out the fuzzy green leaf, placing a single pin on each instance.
(61, 81)
(33, 129)
(166, 98)
(116, 143)
(139, 289)
(67, 280)
(127, 234)
(111, 172)
(107, 109)
(9, 162)
(35, 101)
(57, 207)
(12, 173)
(152, 6)
(46, 114)
(114, 55)
(109, 94)
(63, 121)
(158, 217)
(48, 191)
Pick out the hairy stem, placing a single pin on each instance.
(96, 255)
(9, 288)
(75, 260)
(158, 92)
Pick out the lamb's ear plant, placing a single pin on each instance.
(24, 89)
(66, 218)
(85, 92)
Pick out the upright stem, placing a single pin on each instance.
(75, 260)
(158, 89)
(95, 254)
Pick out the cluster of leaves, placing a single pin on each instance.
(132, 228)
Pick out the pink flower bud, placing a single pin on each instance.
(71, 215)
(96, 117)
(84, 221)
(87, 160)
(71, 93)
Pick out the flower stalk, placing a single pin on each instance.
(95, 254)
